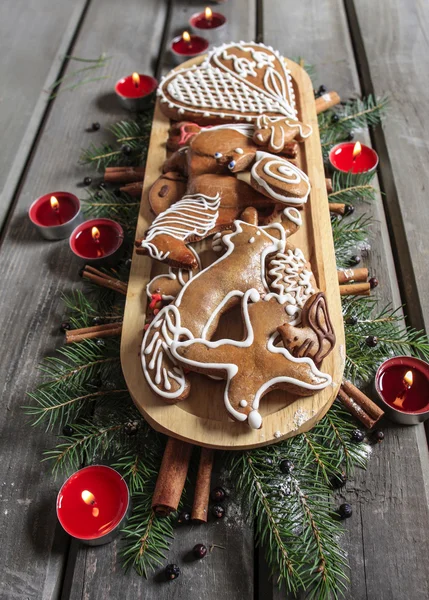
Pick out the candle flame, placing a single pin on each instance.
(87, 497)
(208, 13)
(55, 205)
(357, 149)
(136, 79)
(408, 378)
(95, 232)
(186, 37)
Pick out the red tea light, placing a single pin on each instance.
(402, 383)
(93, 504)
(136, 92)
(55, 215)
(98, 241)
(355, 158)
(188, 46)
(211, 24)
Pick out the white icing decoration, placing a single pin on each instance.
(252, 239)
(173, 273)
(293, 215)
(213, 85)
(277, 434)
(264, 122)
(255, 419)
(246, 130)
(243, 403)
(326, 97)
(193, 215)
(218, 154)
(282, 170)
(239, 150)
(260, 137)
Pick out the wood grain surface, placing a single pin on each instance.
(389, 499)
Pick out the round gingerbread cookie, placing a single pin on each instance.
(279, 179)
(167, 189)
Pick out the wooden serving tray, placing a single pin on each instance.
(202, 418)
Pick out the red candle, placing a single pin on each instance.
(96, 239)
(55, 214)
(354, 157)
(136, 91)
(188, 46)
(92, 503)
(402, 383)
(207, 20)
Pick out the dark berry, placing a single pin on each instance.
(199, 551)
(65, 326)
(100, 342)
(97, 382)
(218, 494)
(316, 93)
(172, 572)
(128, 263)
(131, 428)
(95, 126)
(102, 185)
(373, 282)
(126, 149)
(218, 511)
(98, 320)
(352, 320)
(68, 430)
(339, 480)
(268, 461)
(378, 435)
(350, 136)
(184, 517)
(286, 466)
(87, 181)
(345, 511)
(371, 341)
(322, 89)
(117, 192)
(98, 195)
(335, 118)
(110, 385)
(358, 436)
(349, 209)
(355, 260)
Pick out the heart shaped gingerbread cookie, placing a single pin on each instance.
(237, 81)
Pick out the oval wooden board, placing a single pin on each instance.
(202, 418)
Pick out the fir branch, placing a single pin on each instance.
(105, 203)
(350, 187)
(347, 234)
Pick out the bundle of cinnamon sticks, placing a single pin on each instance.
(354, 282)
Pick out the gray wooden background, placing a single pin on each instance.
(358, 47)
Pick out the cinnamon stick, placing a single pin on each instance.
(337, 208)
(124, 174)
(356, 410)
(171, 478)
(104, 280)
(346, 275)
(364, 402)
(326, 101)
(133, 189)
(355, 289)
(90, 333)
(202, 487)
(329, 187)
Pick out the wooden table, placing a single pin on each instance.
(357, 47)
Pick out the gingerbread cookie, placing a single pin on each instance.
(279, 179)
(276, 133)
(253, 366)
(167, 189)
(177, 162)
(237, 81)
(180, 134)
(315, 338)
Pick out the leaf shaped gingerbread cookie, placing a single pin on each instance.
(237, 81)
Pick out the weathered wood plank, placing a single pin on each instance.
(34, 273)
(392, 47)
(389, 529)
(34, 38)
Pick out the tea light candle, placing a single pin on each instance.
(93, 504)
(136, 91)
(208, 22)
(357, 158)
(188, 46)
(55, 215)
(98, 241)
(402, 384)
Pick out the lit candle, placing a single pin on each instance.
(212, 24)
(98, 241)
(402, 384)
(93, 504)
(188, 46)
(356, 158)
(55, 215)
(136, 92)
